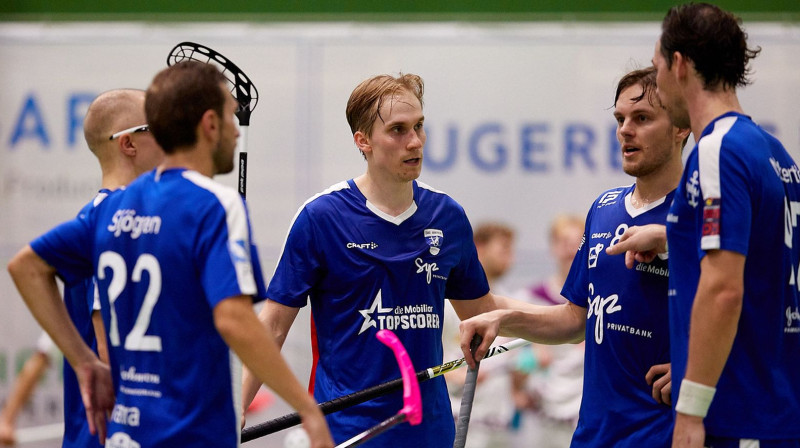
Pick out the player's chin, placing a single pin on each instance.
(409, 175)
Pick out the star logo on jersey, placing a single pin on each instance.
(693, 189)
(376, 307)
(434, 238)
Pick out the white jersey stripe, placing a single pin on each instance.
(708, 161)
(238, 232)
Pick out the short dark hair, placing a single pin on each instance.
(712, 39)
(177, 99)
(645, 77)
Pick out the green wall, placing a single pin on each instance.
(349, 10)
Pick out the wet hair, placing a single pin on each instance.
(645, 77)
(364, 105)
(712, 39)
(177, 99)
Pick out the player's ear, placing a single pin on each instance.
(683, 133)
(681, 65)
(362, 142)
(209, 124)
(126, 146)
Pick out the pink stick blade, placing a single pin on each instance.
(412, 401)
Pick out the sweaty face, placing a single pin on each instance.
(645, 133)
(394, 150)
(228, 133)
(668, 92)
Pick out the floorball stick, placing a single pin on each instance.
(462, 424)
(240, 86)
(337, 404)
(412, 402)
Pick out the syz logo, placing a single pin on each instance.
(427, 268)
(600, 306)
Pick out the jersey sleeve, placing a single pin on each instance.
(467, 280)
(299, 267)
(229, 264)
(727, 204)
(575, 286)
(68, 248)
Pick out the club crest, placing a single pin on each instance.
(434, 238)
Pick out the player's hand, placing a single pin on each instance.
(317, 429)
(97, 392)
(660, 377)
(487, 325)
(641, 243)
(8, 436)
(689, 432)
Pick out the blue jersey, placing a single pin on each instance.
(740, 192)
(78, 295)
(626, 328)
(167, 250)
(364, 271)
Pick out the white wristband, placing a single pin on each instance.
(694, 398)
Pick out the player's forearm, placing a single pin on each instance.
(715, 316)
(36, 282)
(714, 322)
(558, 324)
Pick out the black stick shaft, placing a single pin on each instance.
(337, 404)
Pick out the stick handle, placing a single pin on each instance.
(242, 146)
(471, 382)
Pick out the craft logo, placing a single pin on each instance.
(693, 189)
(363, 246)
(404, 317)
(434, 238)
